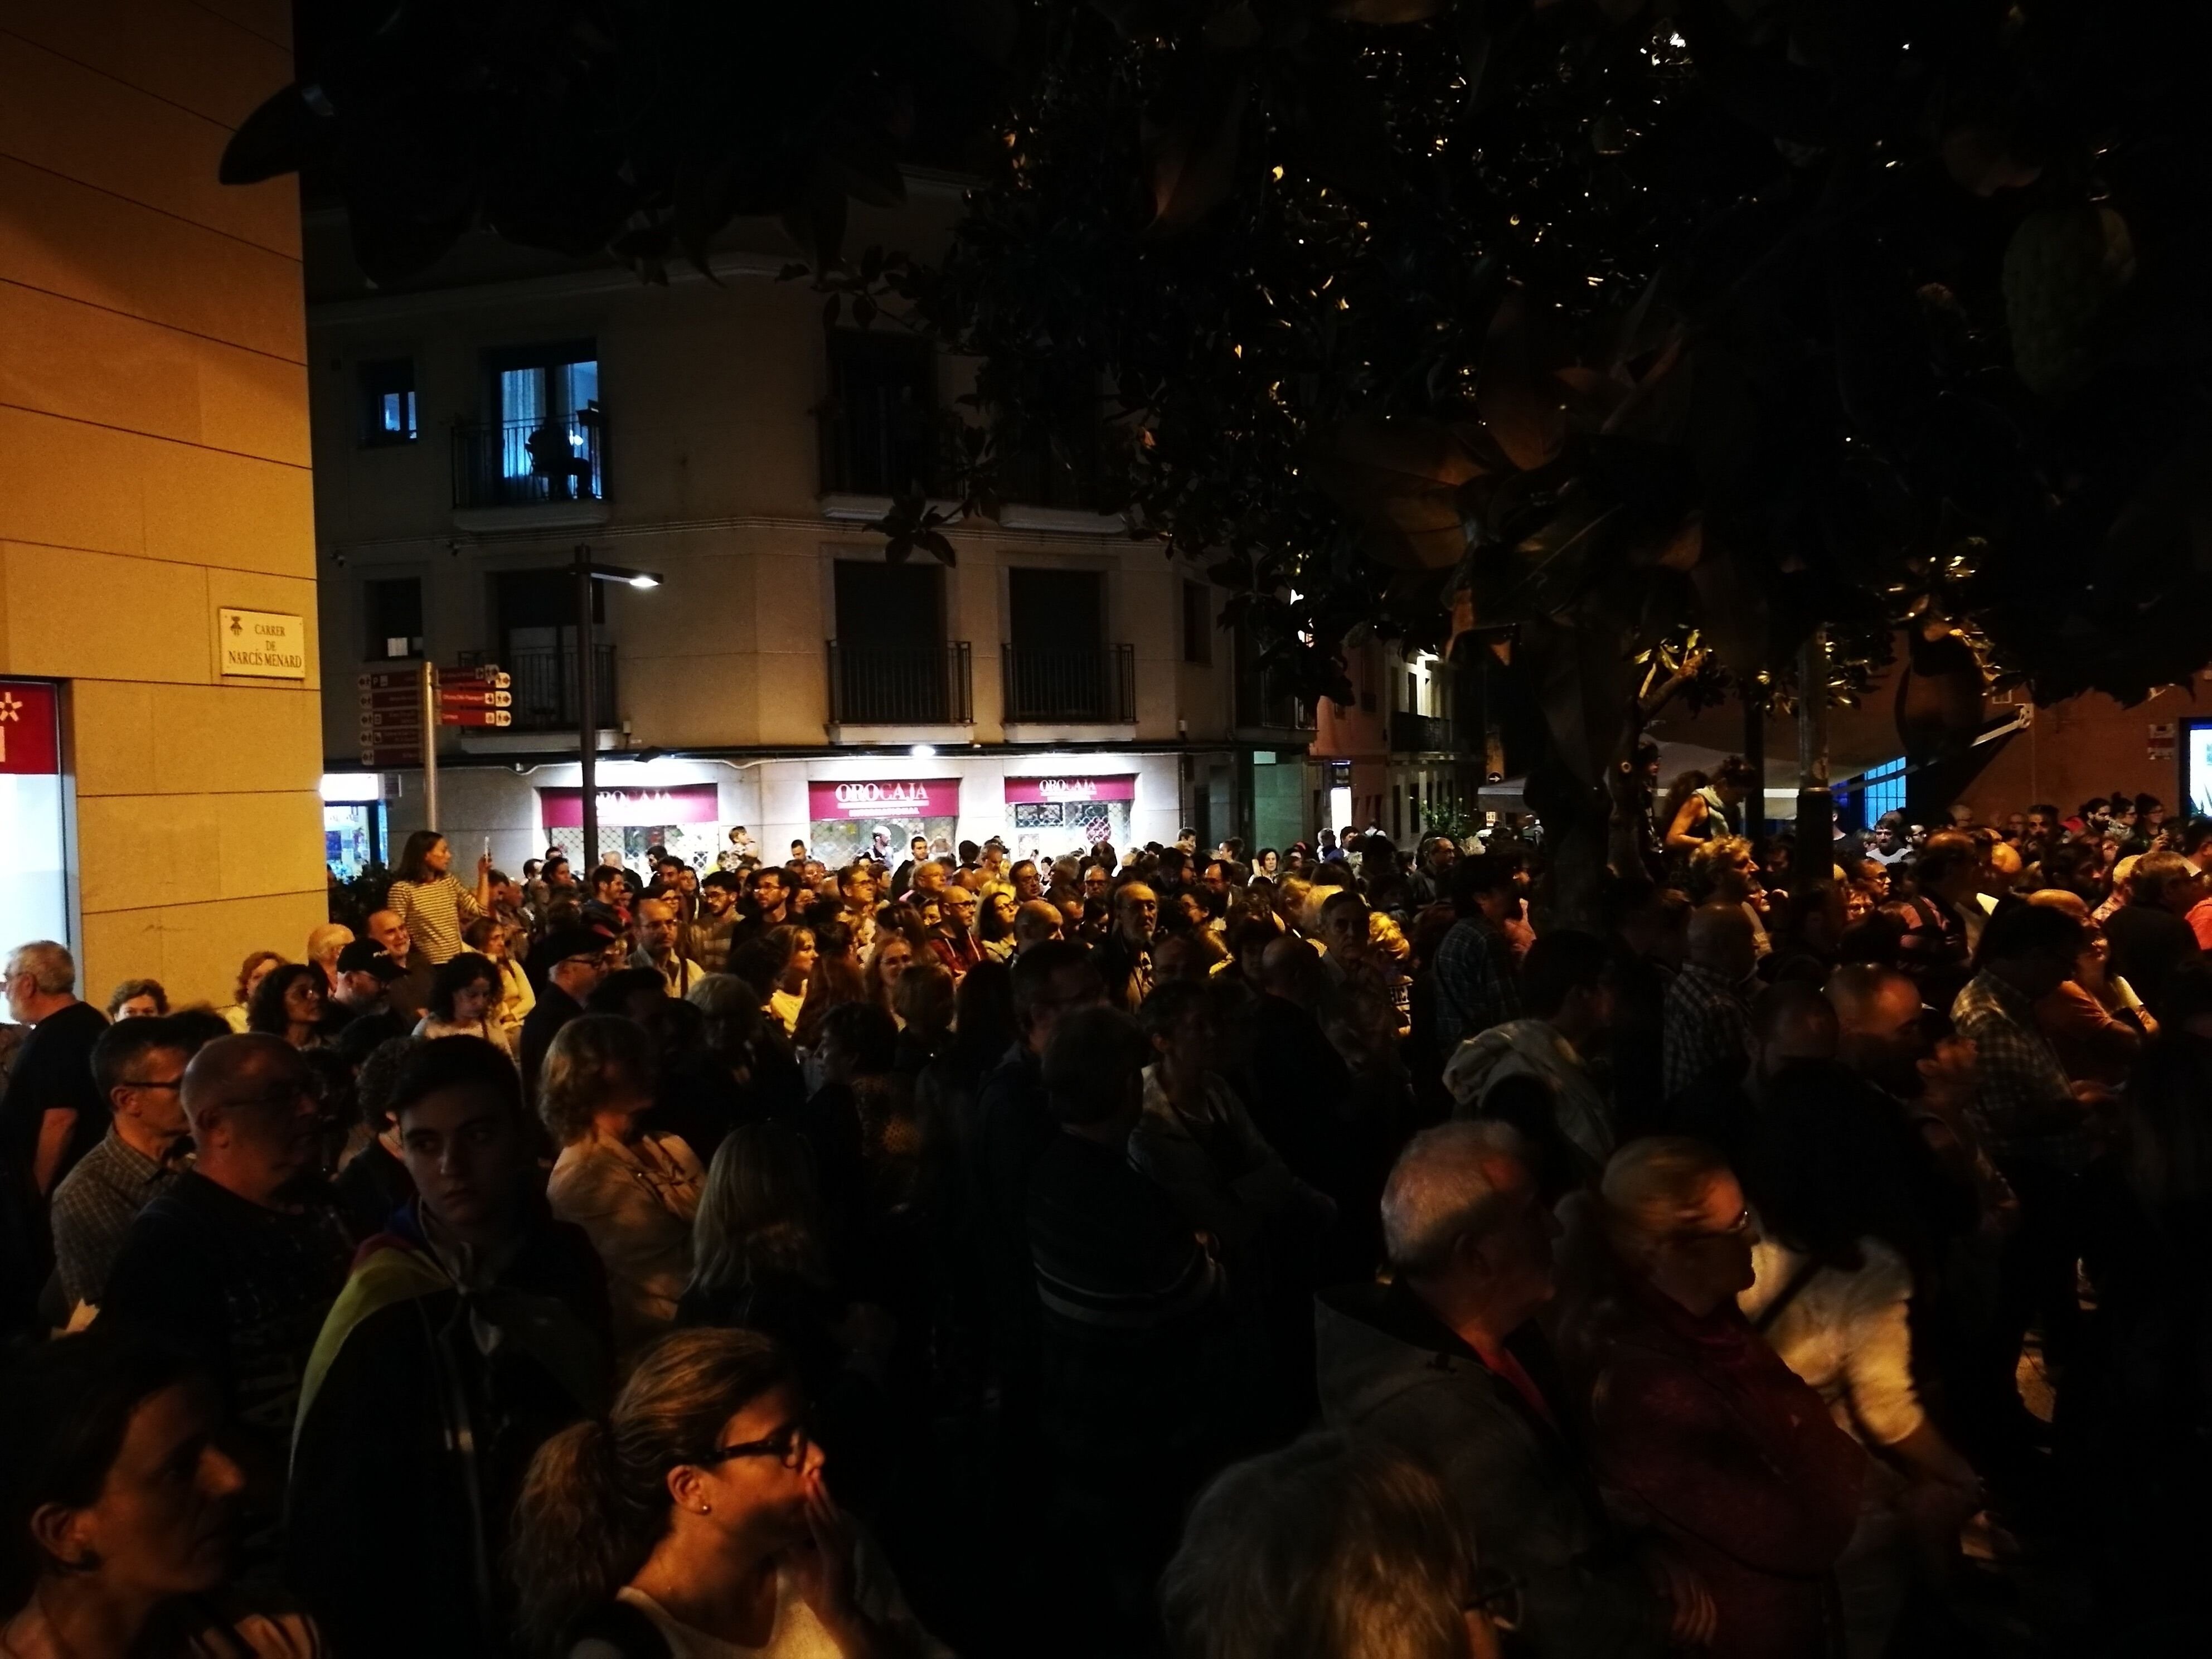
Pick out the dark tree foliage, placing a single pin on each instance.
(638, 127)
(1625, 341)
(1660, 332)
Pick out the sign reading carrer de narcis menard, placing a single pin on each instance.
(261, 644)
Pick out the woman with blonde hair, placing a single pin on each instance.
(1335, 1547)
(694, 1519)
(633, 1193)
(1693, 1418)
(795, 947)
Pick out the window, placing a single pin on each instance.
(1197, 623)
(879, 427)
(543, 441)
(392, 610)
(387, 402)
(1884, 790)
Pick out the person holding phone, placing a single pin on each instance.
(429, 898)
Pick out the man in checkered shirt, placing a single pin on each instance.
(2037, 1125)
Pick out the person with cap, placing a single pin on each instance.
(365, 972)
(575, 960)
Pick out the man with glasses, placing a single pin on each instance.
(1448, 1364)
(238, 1263)
(474, 1328)
(139, 1065)
(575, 961)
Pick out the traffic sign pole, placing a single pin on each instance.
(429, 713)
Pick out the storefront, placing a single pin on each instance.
(355, 832)
(34, 897)
(685, 818)
(1050, 816)
(844, 814)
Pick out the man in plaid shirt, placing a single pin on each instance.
(1705, 1031)
(2036, 1124)
(1476, 984)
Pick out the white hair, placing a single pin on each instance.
(324, 943)
(1441, 1188)
(51, 968)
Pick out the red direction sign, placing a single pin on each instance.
(485, 675)
(390, 679)
(473, 696)
(410, 698)
(450, 716)
(376, 756)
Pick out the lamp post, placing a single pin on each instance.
(587, 690)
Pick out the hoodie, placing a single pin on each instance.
(1389, 1367)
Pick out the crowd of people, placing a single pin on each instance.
(1316, 1252)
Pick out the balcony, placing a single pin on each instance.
(556, 464)
(899, 685)
(545, 687)
(1421, 734)
(1069, 688)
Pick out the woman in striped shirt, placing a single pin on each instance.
(431, 901)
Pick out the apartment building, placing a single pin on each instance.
(1056, 683)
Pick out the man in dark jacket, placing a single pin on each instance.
(575, 962)
(1447, 1364)
(471, 1332)
(2148, 935)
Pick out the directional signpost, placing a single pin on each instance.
(398, 725)
(475, 696)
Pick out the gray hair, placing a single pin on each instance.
(1335, 1547)
(1443, 1188)
(51, 968)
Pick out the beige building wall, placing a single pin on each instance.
(153, 466)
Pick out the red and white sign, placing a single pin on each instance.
(884, 798)
(685, 803)
(30, 731)
(1031, 792)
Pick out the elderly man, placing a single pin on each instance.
(52, 1114)
(1448, 1364)
(1124, 957)
(657, 928)
(411, 993)
(238, 1263)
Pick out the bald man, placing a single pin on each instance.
(238, 1263)
(1034, 921)
(1705, 1031)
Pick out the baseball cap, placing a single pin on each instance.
(366, 955)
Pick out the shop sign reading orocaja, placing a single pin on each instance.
(690, 803)
(1025, 792)
(265, 645)
(899, 799)
(35, 896)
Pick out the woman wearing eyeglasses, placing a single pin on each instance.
(693, 1523)
(1694, 1420)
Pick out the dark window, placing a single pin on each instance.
(387, 402)
(1058, 457)
(879, 427)
(1197, 623)
(891, 606)
(1057, 610)
(392, 611)
(536, 614)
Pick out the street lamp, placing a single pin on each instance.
(587, 711)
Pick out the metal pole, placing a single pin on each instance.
(1754, 757)
(587, 718)
(429, 745)
(1816, 806)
